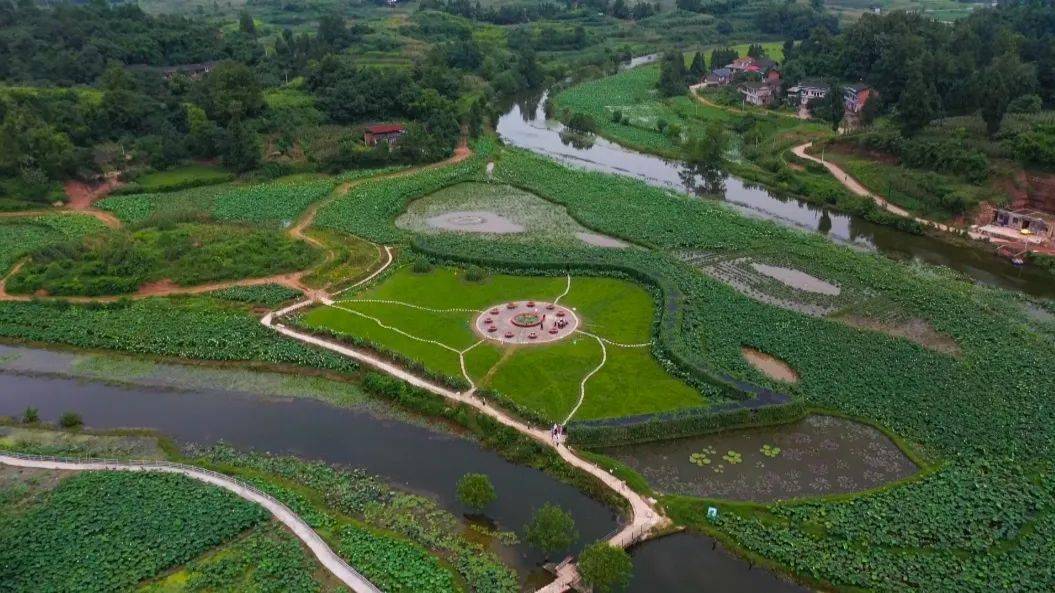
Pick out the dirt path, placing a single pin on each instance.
(645, 516)
(859, 189)
(322, 551)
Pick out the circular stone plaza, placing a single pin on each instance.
(526, 322)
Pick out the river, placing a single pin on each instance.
(418, 456)
(525, 125)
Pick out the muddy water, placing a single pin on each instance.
(525, 125)
(816, 456)
(417, 457)
(797, 279)
(770, 365)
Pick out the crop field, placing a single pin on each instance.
(269, 559)
(195, 328)
(349, 259)
(153, 522)
(435, 331)
(187, 254)
(21, 236)
(273, 203)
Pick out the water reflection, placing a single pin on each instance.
(525, 125)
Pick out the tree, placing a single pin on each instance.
(605, 568)
(71, 420)
(699, 66)
(918, 104)
(241, 148)
(246, 23)
(476, 491)
(708, 149)
(228, 92)
(672, 74)
(551, 529)
(30, 416)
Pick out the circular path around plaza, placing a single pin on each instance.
(526, 322)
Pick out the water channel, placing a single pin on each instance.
(410, 453)
(525, 125)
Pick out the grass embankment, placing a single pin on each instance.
(543, 378)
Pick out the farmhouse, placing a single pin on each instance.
(387, 133)
(748, 64)
(718, 77)
(855, 96)
(1022, 225)
(808, 90)
(757, 93)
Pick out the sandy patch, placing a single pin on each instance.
(474, 221)
(769, 365)
(600, 240)
(797, 280)
(915, 330)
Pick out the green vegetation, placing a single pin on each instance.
(545, 379)
(177, 178)
(197, 328)
(54, 442)
(273, 203)
(153, 522)
(348, 259)
(268, 295)
(185, 254)
(476, 491)
(421, 544)
(605, 568)
(551, 529)
(393, 565)
(269, 559)
(22, 236)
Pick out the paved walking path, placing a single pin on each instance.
(857, 188)
(334, 563)
(645, 517)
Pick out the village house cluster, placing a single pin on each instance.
(760, 82)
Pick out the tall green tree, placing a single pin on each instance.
(605, 568)
(230, 91)
(551, 529)
(241, 147)
(476, 491)
(698, 69)
(919, 103)
(672, 74)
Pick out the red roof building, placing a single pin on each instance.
(389, 133)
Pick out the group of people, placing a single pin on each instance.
(558, 433)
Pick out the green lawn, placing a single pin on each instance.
(545, 378)
(181, 178)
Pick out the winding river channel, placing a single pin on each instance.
(525, 125)
(206, 405)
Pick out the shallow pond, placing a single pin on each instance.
(816, 456)
(361, 434)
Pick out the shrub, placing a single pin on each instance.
(1025, 104)
(30, 416)
(71, 420)
(582, 122)
(475, 274)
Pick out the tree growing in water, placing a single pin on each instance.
(551, 529)
(476, 491)
(605, 568)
